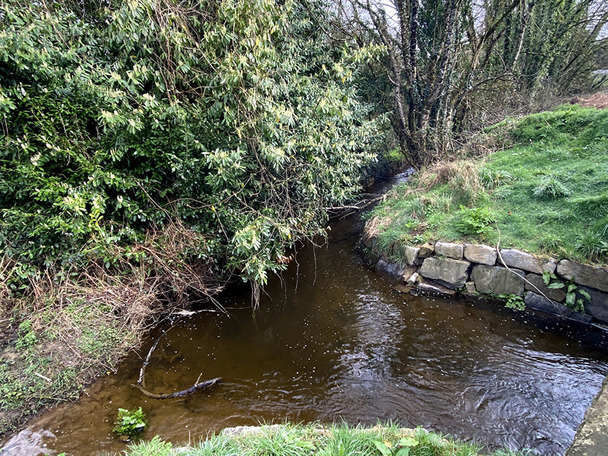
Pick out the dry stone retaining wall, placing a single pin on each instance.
(451, 268)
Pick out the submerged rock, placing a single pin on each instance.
(429, 286)
(537, 302)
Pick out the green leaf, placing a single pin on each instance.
(584, 294)
(556, 285)
(570, 299)
(408, 442)
(381, 446)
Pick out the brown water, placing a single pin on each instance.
(346, 346)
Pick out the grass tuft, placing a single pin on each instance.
(550, 187)
(335, 440)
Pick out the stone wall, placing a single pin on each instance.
(450, 269)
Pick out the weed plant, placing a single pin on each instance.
(305, 440)
(130, 422)
(547, 193)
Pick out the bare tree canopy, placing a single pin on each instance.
(440, 54)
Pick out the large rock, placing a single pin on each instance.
(394, 270)
(536, 284)
(521, 260)
(411, 255)
(598, 306)
(482, 254)
(449, 250)
(429, 286)
(450, 272)
(590, 276)
(497, 280)
(542, 304)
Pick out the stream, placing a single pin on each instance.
(332, 342)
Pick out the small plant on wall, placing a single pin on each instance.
(130, 423)
(513, 301)
(575, 296)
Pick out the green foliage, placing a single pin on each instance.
(575, 296)
(475, 220)
(239, 119)
(515, 302)
(304, 440)
(155, 447)
(402, 448)
(593, 245)
(26, 335)
(130, 422)
(550, 187)
(560, 155)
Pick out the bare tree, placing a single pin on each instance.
(435, 52)
(441, 53)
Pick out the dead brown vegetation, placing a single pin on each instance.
(61, 335)
(597, 100)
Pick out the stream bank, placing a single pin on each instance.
(333, 342)
(592, 436)
(504, 275)
(304, 440)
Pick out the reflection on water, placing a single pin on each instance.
(345, 346)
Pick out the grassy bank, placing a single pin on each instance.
(59, 334)
(52, 347)
(300, 440)
(545, 192)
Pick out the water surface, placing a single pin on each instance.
(336, 343)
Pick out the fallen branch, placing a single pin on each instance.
(141, 382)
(194, 388)
(42, 377)
(356, 207)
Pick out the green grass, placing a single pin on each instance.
(547, 194)
(307, 440)
(49, 355)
